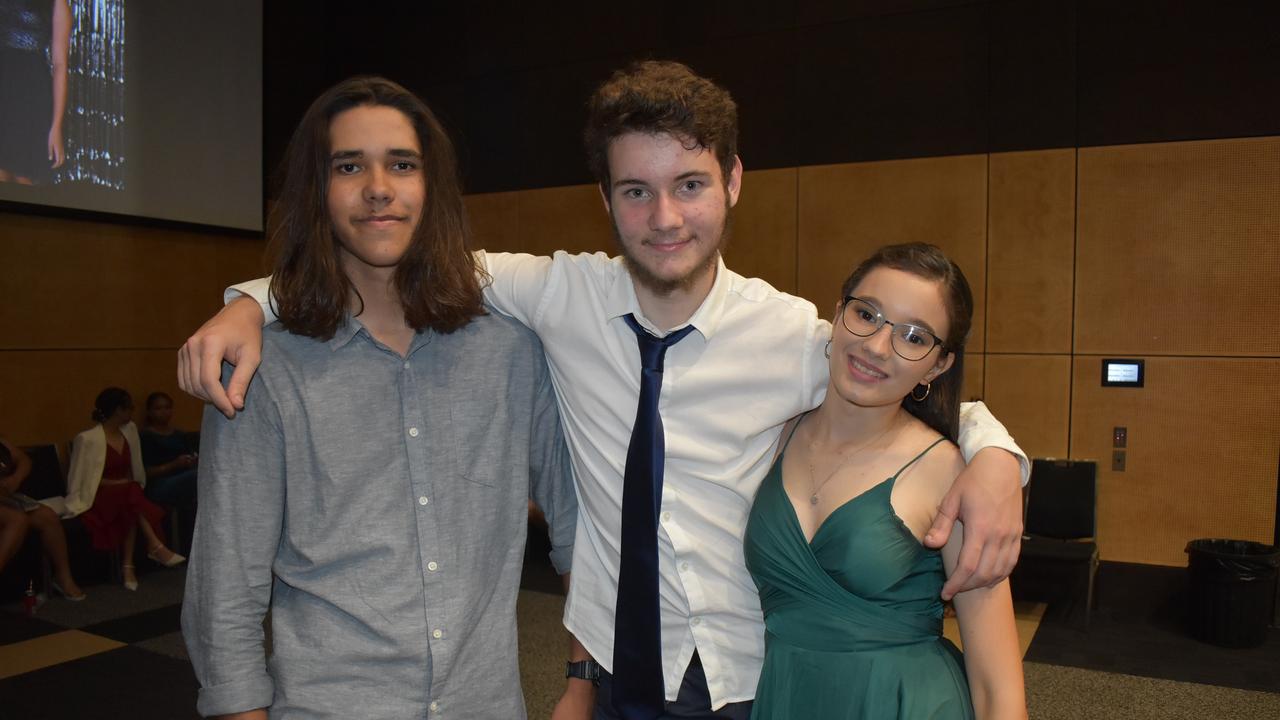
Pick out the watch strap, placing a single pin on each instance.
(583, 670)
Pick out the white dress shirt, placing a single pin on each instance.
(754, 361)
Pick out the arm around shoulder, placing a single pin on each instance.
(234, 335)
(979, 430)
(257, 290)
(516, 283)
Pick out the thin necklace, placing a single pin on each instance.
(846, 456)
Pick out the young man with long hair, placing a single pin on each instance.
(373, 494)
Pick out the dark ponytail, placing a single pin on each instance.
(110, 400)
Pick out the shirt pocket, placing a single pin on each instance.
(483, 443)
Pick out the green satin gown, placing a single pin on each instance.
(853, 620)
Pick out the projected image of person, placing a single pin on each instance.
(34, 37)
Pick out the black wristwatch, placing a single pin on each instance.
(583, 670)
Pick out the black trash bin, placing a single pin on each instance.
(1232, 589)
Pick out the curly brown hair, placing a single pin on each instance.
(438, 280)
(661, 97)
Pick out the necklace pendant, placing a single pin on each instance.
(813, 499)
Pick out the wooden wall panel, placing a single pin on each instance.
(1031, 395)
(1179, 248)
(46, 395)
(847, 211)
(570, 218)
(1204, 435)
(79, 284)
(91, 304)
(495, 221)
(763, 240)
(1031, 248)
(974, 387)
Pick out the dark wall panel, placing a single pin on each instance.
(519, 37)
(817, 81)
(1033, 75)
(760, 72)
(548, 125)
(1160, 70)
(690, 24)
(893, 87)
(821, 12)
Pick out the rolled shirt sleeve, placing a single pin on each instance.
(260, 290)
(979, 429)
(229, 579)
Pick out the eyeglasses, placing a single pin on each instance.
(911, 342)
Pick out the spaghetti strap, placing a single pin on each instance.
(913, 460)
(793, 433)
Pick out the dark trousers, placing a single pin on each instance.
(694, 701)
(176, 490)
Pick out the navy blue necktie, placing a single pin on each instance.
(638, 692)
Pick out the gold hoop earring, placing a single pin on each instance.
(827, 351)
(927, 388)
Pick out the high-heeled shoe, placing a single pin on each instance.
(131, 585)
(172, 559)
(73, 598)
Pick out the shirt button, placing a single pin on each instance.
(432, 566)
(696, 621)
(423, 500)
(413, 432)
(437, 634)
(666, 517)
(406, 364)
(684, 566)
(434, 706)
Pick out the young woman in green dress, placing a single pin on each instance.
(851, 596)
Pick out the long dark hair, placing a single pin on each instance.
(108, 401)
(436, 279)
(940, 409)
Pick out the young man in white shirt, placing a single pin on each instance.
(662, 143)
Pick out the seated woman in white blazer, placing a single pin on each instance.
(105, 482)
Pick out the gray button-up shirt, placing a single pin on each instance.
(378, 505)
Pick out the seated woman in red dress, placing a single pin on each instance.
(105, 484)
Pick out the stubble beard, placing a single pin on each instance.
(662, 286)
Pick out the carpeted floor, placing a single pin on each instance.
(120, 654)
